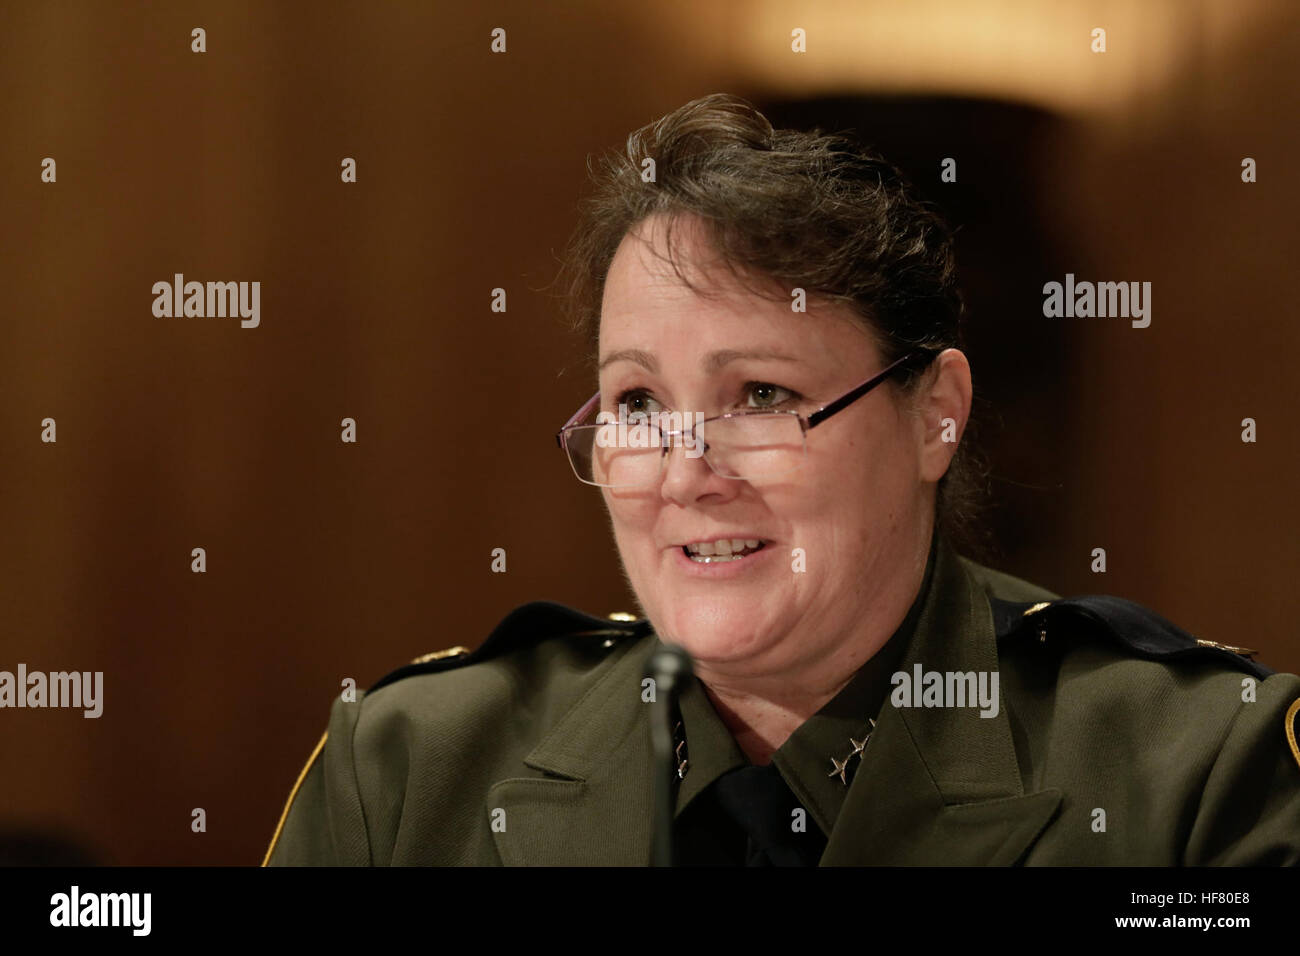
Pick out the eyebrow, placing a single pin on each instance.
(641, 357)
(712, 362)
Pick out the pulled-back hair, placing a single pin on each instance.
(786, 209)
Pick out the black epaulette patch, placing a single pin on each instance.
(526, 624)
(1126, 623)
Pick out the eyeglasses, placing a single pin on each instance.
(740, 445)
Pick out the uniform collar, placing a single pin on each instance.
(711, 751)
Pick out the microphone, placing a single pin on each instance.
(668, 667)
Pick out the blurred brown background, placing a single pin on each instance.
(328, 560)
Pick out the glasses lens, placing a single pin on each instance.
(615, 455)
(753, 446)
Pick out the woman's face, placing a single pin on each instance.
(858, 510)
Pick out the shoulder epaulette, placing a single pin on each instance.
(526, 624)
(1137, 629)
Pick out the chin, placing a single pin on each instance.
(712, 629)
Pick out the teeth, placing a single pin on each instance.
(724, 549)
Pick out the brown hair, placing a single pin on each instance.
(788, 209)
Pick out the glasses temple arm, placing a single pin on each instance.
(848, 398)
(576, 417)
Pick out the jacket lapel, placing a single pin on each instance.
(942, 786)
(595, 806)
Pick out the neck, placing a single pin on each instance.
(761, 725)
(762, 709)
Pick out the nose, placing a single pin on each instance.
(687, 479)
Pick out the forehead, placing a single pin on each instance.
(647, 305)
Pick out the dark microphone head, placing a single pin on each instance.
(668, 667)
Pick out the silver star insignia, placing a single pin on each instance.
(859, 746)
(840, 767)
(683, 764)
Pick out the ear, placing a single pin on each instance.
(944, 408)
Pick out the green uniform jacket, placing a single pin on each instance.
(1118, 740)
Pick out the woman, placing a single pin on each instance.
(777, 438)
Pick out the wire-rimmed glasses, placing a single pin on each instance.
(744, 445)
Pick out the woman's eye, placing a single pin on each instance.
(767, 395)
(638, 400)
(759, 394)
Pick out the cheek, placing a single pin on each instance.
(848, 469)
(632, 518)
(862, 481)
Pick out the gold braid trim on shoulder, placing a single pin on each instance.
(1290, 729)
(293, 793)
